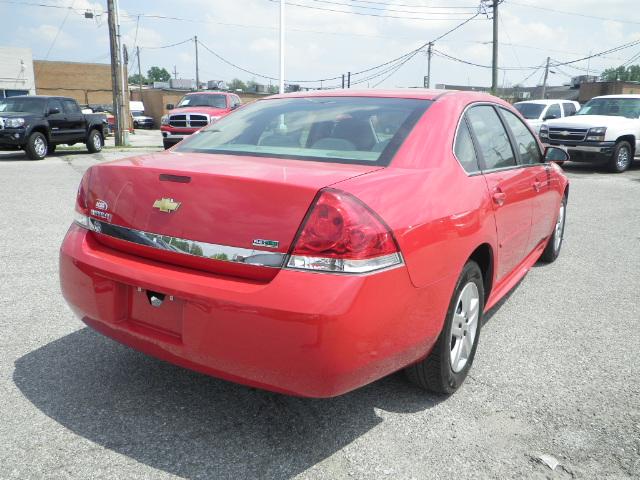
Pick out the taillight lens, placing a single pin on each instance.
(341, 234)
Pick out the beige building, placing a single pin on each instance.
(16, 72)
(88, 83)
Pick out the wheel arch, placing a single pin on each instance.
(484, 257)
(41, 129)
(628, 138)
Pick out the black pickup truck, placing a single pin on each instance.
(36, 124)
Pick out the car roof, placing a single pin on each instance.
(209, 92)
(546, 101)
(410, 93)
(631, 95)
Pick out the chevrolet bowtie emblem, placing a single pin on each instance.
(166, 205)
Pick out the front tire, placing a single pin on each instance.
(37, 146)
(552, 250)
(622, 157)
(446, 367)
(94, 142)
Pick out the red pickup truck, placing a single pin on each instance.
(194, 111)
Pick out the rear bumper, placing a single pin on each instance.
(307, 334)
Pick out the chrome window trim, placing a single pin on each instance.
(261, 258)
(489, 170)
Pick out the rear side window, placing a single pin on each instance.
(365, 130)
(569, 109)
(492, 138)
(70, 106)
(553, 111)
(525, 141)
(464, 149)
(55, 103)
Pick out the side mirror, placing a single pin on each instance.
(555, 154)
(170, 106)
(233, 107)
(54, 111)
(550, 117)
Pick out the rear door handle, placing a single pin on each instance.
(499, 197)
(537, 186)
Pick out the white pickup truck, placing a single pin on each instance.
(605, 130)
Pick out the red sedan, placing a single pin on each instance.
(313, 243)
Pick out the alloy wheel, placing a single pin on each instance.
(623, 158)
(40, 146)
(464, 326)
(97, 141)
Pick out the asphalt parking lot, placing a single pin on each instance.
(556, 371)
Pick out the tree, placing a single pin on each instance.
(157, 74)
(237, 84)
(273, 89)
(135, 79)
(622, 74)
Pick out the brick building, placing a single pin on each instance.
(88, 83)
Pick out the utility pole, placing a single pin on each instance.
(282, 46)
(139, 71)
(343, 80)
(115, 74)
(348, 79)
(175, 72)
(197, 67)
(494, 64)
(546, 76)
(429, 53)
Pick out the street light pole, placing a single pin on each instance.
(195, 39)
(282, 46)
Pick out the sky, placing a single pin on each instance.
(321, 44)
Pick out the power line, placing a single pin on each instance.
(362, 13)
(190, 39)
(393, 4)
(575, 14)
(385, 9)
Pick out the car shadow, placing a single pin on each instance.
(581, 168)
(20, 156)
(192, 425)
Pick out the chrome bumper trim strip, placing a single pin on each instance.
(183, 246)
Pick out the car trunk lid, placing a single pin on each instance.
(233, 212)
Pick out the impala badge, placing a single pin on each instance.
(166, 205)
(266, 243)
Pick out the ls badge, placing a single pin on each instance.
(166, 205)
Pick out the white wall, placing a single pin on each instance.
(16, 69)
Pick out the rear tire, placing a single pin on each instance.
(552, 250)
(95, 141)
(37, 146)
(446, 367)
(622, 157)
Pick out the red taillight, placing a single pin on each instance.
(342, 234)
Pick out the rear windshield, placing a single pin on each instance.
(332, 129)
(203, 100)
(530, 111)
